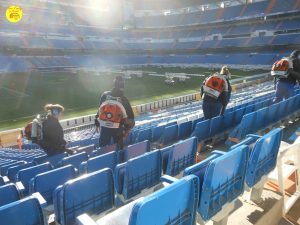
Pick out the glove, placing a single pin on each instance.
(97, 124)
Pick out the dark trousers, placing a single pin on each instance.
(106, 134)
(284, 90)
(211, 109)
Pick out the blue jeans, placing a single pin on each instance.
(106, 134)
(211, 109)
(284, 90)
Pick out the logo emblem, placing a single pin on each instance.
(14, 14)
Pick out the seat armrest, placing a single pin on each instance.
(84, 219)
(40, 198)
(20, 186)
(168, 179)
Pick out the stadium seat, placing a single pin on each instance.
(9, 193)
(108, 160)
(202, 130)
(2, 181)
(12, 171)
(157, 132)
(169, 135)
(222, 176)
(4, 168)
(262, 161)
(145, 134)
(74, 160)
(45, 183)
(25, 175)
(88, 149)
(138, 174)
(182, 155)
(96, 196)
(185, 129)
(53, 160)
(174, 204)
(133, 151)
(26, 211)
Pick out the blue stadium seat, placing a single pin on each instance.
(12, 171)
(9, 193)
(54, 160)
(45, 183)
(92, 194)
(74, 160)
(145, 134)
(157, 132)
(2, 181)
(26, 211)
(165, 152)
(25, 175)
(4, 168)
(185, 129)
(263, 158)
(134, 150)
(88, 149)
(138, 174)
(202, 130)
(217, 125)
(174, 204)
(169, 135)
(222, 178)
(108, 160)
(182, 155)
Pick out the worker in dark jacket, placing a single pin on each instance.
(214, 93)
(115, 117)
(53, 141)
(285, 86)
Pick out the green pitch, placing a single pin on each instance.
(23, 95)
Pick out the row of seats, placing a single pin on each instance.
(264, 117)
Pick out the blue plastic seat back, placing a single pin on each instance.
(196, 121)
(141, 172)
(135, 150)
(45, 183)
(185, 129)
(145, 134)
(182, 156)
(75, 160)
(165, 152)
(92, 194)
(245, 127)
(157, 132)
(174, 204)
(238, 115)
(228, 120)
(261, 120)
(26, 211)
(223, 181)
(108, 160)
(272, 113)
(12, 171)
(202, 130)
(107, 149)
(169, 135)
(217, 125)
(282, 109)
(263, 156)
(8, 193)
(199, 169)
(25, 175)
(249, 109)
(55, 159)
(5, 168)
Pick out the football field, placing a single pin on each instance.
(23, 95)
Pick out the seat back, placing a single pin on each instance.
(174, 204)
(9, 193)
(45, 183)
(144, 135)
(108, 160)
(26, 211)
(185, 129)
(140, 173)
(12, 171)
(202, 130)
(75, 160)
(223, 181)
(2, 182)
(5, 168)
(217, 125)
(157, 132)
(55, 159)
(87, 149)
(25, 175)
(96, 196)
(169, 134)
(263, 156)
(182, 156)
(165, 152)
(134, 150)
